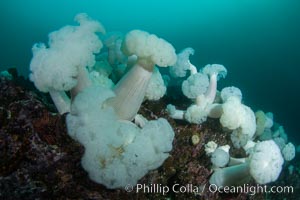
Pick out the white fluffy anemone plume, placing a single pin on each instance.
(239, 118)
(62, 66)
(183, 64)
(117, 152)
(156, 87)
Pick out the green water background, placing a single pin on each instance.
(257, 40)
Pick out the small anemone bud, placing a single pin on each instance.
(195, 139)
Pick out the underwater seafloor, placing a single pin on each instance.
(38, 159)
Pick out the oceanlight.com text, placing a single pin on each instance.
(251, 189)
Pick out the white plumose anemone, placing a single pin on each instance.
(263, 165)
(131, 89)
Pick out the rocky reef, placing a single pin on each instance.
(38, 159)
